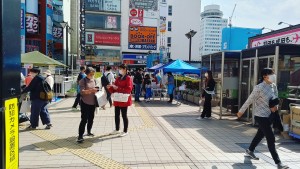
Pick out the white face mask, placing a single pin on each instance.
(206, 74)
(121, 72)
(272, 78)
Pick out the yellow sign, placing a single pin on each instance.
(11, 134)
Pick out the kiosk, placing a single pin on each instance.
(225, 68)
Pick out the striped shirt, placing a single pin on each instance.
(260, 97)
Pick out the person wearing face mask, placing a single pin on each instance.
(88, 89)
(260, 97)
(38, 106)
(207, 95)
(123, 84)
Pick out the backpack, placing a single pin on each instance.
(46, 92)
(104, 80)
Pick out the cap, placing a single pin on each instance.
(47, 72)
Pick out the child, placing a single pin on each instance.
(148, 88)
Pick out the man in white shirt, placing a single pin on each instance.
(111, 79)
(49, 79)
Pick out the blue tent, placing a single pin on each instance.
(181, 67)
(152, 69)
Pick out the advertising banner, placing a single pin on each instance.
(144, 4)
(287, 37)
(103, 5)
(111, 22)
(151, 14)
(32, 23)
(97, 38)
(104, 55)
(162, 24)
(82, 29)
(142, 37)
(23, 7)
(57, 32)
(49, 25)
(136, 21)
(136, 13)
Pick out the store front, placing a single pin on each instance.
(134, 60)
(225, 68)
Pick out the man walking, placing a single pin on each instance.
(107, 79)
(81, 75)
(138, 79)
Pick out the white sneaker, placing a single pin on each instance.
(123, 134)
(199, 118)
(75, 109)
(115, 132)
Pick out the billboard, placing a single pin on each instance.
(82, 29)
(136, 21)
(23, 8)
(57, 32)
(287, 37)
(49, 30)
(111, 22)
(142, 37)
(136, 13)
(32, 23)
(98, 38)
(103, 5)
(32, 6)
(144, 4)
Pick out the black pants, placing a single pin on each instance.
(124, 117)
(77, 100)
(171, 97)
(207, 106)
(87, 117)
(265, 130)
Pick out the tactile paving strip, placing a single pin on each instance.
(80, 151)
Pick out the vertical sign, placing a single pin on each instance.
(12, 133)
(23, 11)
(49, 26)
(82, 29)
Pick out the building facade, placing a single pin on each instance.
(211, 27)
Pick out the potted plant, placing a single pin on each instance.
(71, 93)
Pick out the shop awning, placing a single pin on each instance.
(39, 59)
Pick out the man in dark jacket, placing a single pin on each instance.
(80, 76)
(137, 80)
(38, 106)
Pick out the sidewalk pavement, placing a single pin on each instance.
(161, 136)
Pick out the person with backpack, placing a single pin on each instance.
(107, 79)
(38, 102)
(49, 78)
(138, 80)
(80, 76)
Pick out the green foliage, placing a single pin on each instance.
(190, 83)
(72, 90)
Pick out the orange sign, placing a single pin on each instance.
(142, 35)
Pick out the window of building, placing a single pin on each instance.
(169, 25)
(170, 10)
(169, 41)
(100, 21)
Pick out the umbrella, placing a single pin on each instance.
(39, 59)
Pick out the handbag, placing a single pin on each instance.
(101, 98)
(25, 106)
(121, 97)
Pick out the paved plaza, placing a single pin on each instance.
(161, 136)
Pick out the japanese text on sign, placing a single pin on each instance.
(32, 25)
(142, 35)
(11, 133)
(144, 4)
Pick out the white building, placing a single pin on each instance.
(212, 24)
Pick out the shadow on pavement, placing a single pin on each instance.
(246, 164)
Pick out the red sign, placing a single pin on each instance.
(137, 12)
(112, 39)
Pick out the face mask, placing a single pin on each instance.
(121, 72)
(272, 78)
(206, 74)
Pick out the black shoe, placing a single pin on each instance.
(90, 134)
(31, 127)
(251, 154)
(80, 139)
(138, 101)
(281, 166)
(48, 126)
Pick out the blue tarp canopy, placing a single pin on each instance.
(181, 67)
(153, 68)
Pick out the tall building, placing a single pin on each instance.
(182, 17)
(211, 27)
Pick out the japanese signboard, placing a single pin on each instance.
(287, 37)
(144, 4)
(143, 38)
(12, 133)
(136, 13)
(32, 23)
(111, 22)
(98, 38)
(136, 21)
(82, 29)
(103, 5)
(57, 32)
(162, 24)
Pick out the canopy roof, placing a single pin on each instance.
(39, 59)
(181, 67)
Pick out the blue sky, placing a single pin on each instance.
(259, 13)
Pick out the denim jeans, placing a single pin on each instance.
(137, 92)
(39, 108)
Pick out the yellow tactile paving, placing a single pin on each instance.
(84, 153)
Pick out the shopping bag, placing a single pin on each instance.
(121, 97)
(25, 107)
(101, 98)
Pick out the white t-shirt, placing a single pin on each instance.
(110, 77)
(50, 81)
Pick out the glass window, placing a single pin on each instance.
(169, 41)
(170, 10)
(96, 21)
(169, 25)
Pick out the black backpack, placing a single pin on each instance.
(46, 92)
(104, 80)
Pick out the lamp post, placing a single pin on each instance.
(284, 23)
(267, 29)
(66, 25)
(189, 35)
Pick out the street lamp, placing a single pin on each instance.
(284, 23)
(267, 29)
(66, 25)
(189, 35)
